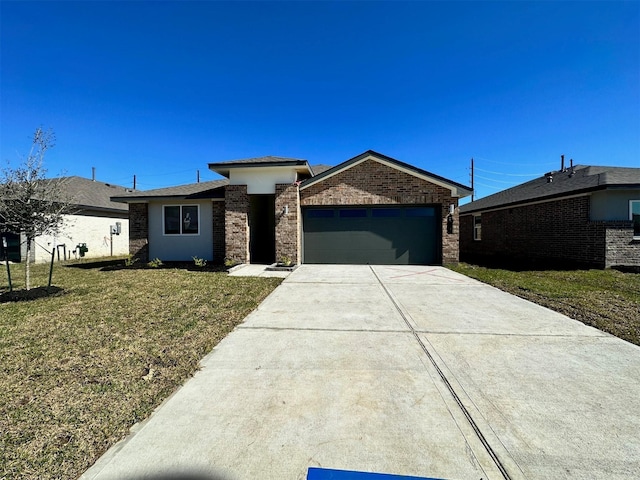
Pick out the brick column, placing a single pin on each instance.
(218, 232)
(287, 225)
(450, 241)
(236, 223)
(139, 231)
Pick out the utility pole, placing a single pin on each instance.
(198, 175)
(134, 182)
(473, 193)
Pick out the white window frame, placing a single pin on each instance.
(181, 234)
(477, 227)
(631, 202)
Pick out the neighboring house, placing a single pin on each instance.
(371, 209)
(583, 216)
(93, 215)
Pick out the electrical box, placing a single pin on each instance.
(116, 229)
(81, 248)
(10, 247)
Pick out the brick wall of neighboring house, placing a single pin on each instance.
(371, 183)
(556, 232)
(621, 248)
(287, 226)
(139, 231)
(236, 229)
(218, 232)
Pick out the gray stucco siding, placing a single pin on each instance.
(181, 247)
(612, 205)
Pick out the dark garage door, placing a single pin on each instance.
(393, 235)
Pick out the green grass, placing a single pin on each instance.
(606, 299)
(78, 368)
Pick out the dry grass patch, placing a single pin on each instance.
(80, 367)
(606, 299)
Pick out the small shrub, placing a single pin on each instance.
(199, 262)
(155, 263)
(285, 261)
(230, 262)
(130, 261)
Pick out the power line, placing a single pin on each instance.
(517, 164)
(490, 187)
(496, 181)
(168, 173)
(510, 174)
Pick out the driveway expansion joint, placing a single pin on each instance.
(450, 388)
(514, 335)
(338, 330)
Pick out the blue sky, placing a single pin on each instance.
(160, 89)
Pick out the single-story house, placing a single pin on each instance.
(370, 209)
(582, 216)
(96, 222)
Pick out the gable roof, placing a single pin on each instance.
(93, 195)
(584, 179)
(191, 191)
(457, 189)
(224, 168)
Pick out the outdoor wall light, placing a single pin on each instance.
(452, 209)
(285, 210)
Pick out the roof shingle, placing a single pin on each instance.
(90, 194)
(584, 178)
(210, 189)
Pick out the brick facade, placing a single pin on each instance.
(367, 183)
(218, 232)
(621, 248)
(373, 183)
(139, 231)
(287, 225)
(551, 233)
(236, 229)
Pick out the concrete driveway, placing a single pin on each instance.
(401, 370)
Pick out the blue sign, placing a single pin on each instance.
(328, 474)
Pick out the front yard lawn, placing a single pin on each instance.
(80, 367)
(606, 299)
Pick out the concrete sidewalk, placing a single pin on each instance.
(405, 370)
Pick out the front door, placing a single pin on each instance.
(262, 228)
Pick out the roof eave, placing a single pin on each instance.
(148, 198)
(224, 169)
(100, 209)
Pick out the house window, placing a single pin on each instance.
(324, 213)
(353, 213)
(420, 212)
(385, 212)
(634, 216)
(181, 219)
(477, 227)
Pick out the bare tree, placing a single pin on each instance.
(30, 204)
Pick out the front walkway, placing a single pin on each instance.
(405, 370)
(255, 270)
